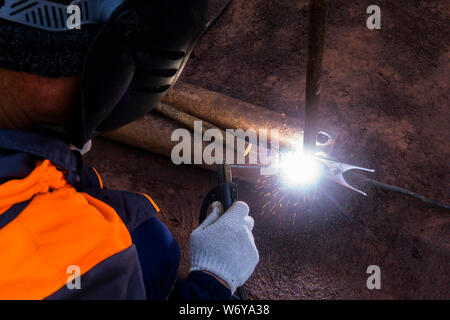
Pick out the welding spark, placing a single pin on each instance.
(293, 190)
(299, 169)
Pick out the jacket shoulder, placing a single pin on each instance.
(133, 208)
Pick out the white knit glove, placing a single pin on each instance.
(224, 245)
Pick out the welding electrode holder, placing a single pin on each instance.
(226, 193)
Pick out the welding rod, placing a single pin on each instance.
(317, 19)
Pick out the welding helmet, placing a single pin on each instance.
(137, 55)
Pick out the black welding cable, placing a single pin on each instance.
(402, 191)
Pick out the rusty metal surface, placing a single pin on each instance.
(189, 121)
(230, 113)
(153, 133)
(183, 117)
(186, 104)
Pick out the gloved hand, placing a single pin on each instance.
(224, 245)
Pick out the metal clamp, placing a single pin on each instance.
(336, 172)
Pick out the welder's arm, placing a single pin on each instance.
(223, 245)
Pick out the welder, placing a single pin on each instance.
(63, 235)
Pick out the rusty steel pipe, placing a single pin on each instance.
(183, 117)
(153, 133)
(189, 121)
(229, 113)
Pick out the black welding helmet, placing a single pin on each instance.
(137, 55)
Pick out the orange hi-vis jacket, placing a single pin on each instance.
(57, 222)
